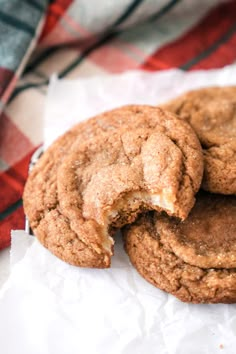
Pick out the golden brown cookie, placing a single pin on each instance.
(195, 260)
(102, 172)
(212, 114)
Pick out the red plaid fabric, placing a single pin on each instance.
(81, 40)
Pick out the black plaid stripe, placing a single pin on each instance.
(35, 4)
(164, 10)
(225, 38)
(126, 14)
(13, 207)
(16, 23)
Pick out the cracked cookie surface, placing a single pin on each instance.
(212, 114)
(194, 259)
(105, 170)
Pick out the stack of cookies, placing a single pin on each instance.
(140, 168)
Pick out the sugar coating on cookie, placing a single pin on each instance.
(212, 114)
(103, 172)
(109, 180)
(194, 259)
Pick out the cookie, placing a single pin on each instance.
(104, 171)
(195, 260)
(212, 114)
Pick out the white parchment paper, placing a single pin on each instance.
(50, 307)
